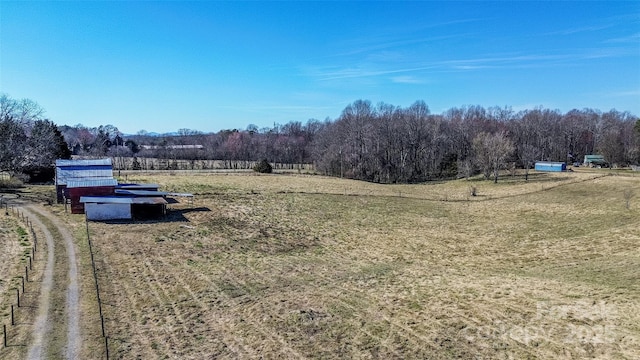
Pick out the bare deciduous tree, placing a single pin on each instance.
(491, 152)
(528, 155)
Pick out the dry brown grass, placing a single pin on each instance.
(11, 252)
(15, 249)
(312, 267)
(90, 328)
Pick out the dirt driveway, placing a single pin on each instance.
(60, 281)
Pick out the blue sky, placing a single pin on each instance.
(211, 65)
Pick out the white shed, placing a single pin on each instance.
(122, 207)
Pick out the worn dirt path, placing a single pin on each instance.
(42, 326)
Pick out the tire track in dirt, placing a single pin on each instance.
(131, 295)
(72, 303)
(262, 330)
(156, 288)
(151, 296)
(238, 346)
(41, 326)
(361, 296)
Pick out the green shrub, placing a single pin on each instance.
(263, 167)
(10, 182)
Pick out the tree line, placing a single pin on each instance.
(29, 143)
(379, 143)
(390, 144)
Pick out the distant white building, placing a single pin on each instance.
(172, 147)
(594, 161)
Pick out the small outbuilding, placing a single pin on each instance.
(123, 207)
(550, 166)
(80, 170)
(88, 187)
(595, 161)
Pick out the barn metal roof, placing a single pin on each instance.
(88, 182)
(84, 162)
(67, 170)
(594, 159)
(141, 192)
(123, 200)
(137, 186)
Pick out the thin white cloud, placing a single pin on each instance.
(635, 38)
(337, 73)
(406, 79)
(582, 29)
(383, 43)
(379, 69)
(470, 67)
(259, 108)
(627, 93)
(410, 69)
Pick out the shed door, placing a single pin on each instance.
(107, 211)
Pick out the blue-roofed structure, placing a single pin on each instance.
(550, 166)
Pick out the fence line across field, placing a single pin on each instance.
(28, 267)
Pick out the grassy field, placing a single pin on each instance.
(15, 246)
(286, 266)
(15, 250)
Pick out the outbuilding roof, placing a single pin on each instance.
(67, 170)
(594, 159)
(91, 182)
(141, 192)
(123, 200)
(138, 186)
(83, 162)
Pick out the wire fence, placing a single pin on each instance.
(95, 277)
(18, 306)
